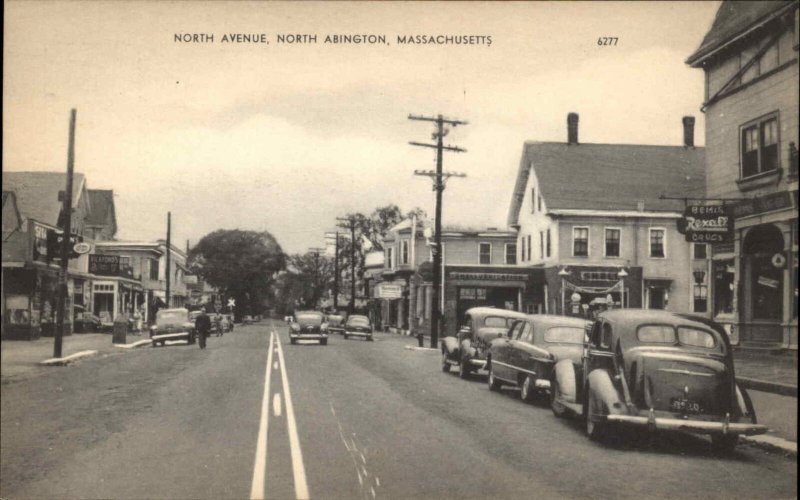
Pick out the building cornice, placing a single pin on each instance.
(630, 214)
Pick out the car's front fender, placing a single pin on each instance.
(564, 372)
(450, 347)
(603, 388)
(468, 351)
(746, 409)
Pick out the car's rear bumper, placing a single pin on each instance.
(170, 336)
(308, 336)
(698, 426)
(333, 329)
(358, 334)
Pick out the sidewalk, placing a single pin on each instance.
(20, 357)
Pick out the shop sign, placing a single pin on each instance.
(487, 276)
(104, 265)
(55, 239)
(82, 247)
(39, 241)
(389, 291)
(706, 224)
(190, 279)
(768, 203)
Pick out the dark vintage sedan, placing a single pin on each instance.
(358, 326)
(468, 348)
(658, 370)
(173, 324)
(526, 356)
(308, 325)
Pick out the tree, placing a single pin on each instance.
(305, 283)
(240, 264)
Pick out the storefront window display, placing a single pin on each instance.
(724, 274)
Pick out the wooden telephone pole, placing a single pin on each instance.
(66, 210)
(169, 255)
(350, 222)
(440, 178)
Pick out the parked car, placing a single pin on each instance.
(358, 326)
(308, 325)
(468, 348)
(336, 323)
(247, 319)
(172, 324)
(84, 321)
(658, 370)
(526, 356)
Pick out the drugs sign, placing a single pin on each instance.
(706, 224)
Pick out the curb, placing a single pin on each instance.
(68, 359)
(767, 386)
(417, 348)
(135, 344)
(772, 443)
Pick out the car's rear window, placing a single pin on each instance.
(696, 338)
(656, 334)
(335, 320)
(564, 335)
(358, 321)
(497, 322)
(310, 319)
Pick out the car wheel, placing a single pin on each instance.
(445, 364)
(528, 393)
(154, 343)
(369, 338)
(595, 430)
(293, 341)
(464, 369)
(345, 336)
(724, 443)
(494, 384)
(323, 342)
(555, 396)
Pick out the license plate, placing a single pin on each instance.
(684, 405)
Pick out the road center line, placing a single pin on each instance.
(257, 490)
(276, 404)
(300, 485)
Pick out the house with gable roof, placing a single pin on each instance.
(592, 217)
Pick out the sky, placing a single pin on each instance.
(286, 137)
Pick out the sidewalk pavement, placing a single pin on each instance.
(20, 357)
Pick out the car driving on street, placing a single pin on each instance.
(172, 324)
(308, 325)
(659, 370)
(358, 326)
(526, 355)
(336, 323)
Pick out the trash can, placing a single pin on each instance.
(120, 330)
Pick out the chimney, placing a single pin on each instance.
(572, 128)
(688, 131)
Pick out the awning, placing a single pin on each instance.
(617, 287)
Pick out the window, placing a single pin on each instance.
(548, 242)
(656, 334)
(495, 322)
(612, 242)
(695, 337)
(541, 244)
(527, 334)
(700, 251)
(389, 258)
(124, 261)
(657, 236)
(153, 269)
(529, 248)
(404, 251)
(724, 272)
(759, 146)
(533, 200)
(564, 335)
(511, 253)
(700, 298)
(580, 241)
(539, 203)
(522, 244)
(485, 253)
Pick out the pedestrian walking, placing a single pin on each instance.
(202, 324)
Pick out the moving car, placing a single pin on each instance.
(172, 324)
(468, 348)
(247, 319)
(358, 326)
(526, 356)
(659, 370)
(308, 325)
(336, 323)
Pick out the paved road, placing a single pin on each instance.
(350, 420)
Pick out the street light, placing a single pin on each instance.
(622, 274)
(563, 273)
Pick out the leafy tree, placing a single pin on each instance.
(240, 264)
(305, 283)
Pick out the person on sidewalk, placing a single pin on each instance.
(202, 324)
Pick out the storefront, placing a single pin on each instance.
(393, 297)
(585, 290)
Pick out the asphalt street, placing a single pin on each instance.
(253, 416)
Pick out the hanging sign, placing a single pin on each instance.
(706, 224)
(778, 260)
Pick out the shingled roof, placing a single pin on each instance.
(102, 203)
(37, 193)
(609, 176)
(733, 19)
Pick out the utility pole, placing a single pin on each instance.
(65, 243)
(169, 252)
(351, 223)
(336, 274)
(438, 186)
